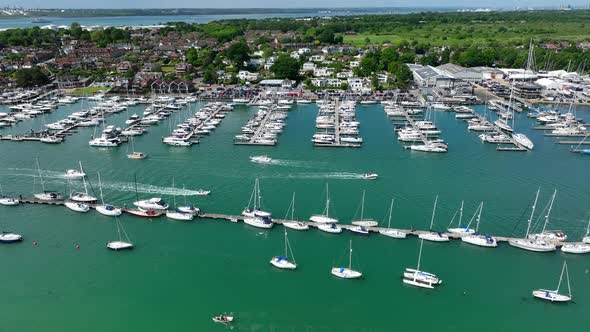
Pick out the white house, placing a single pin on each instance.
(309, 66)
(295, 55)
(354, 64)
(323, 72)
(303, 51)
(356, 84)
(245, 75)
(345, 74)
(317, 58)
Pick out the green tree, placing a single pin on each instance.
(238, 53)
(28, 77)
(286, 67)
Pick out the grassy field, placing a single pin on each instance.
(87, 91)
(168, 69)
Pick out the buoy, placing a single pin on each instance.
(35, 243)
(77, 246)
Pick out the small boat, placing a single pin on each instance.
(120, 244)
(330, 228)
(223, 319)
(134, 154)
(260, 222)
(154, 203)
(179, 215)
(189, 209)
(51, 139)
(74, 174)
(394, 233)
(145, 213)
(78, 207)
(202, 192)
(370, 176)
(347, 272)
(282, 262)
(261, 159)
(434, 236)
(324, 218)
(523, 140)
(293, 224)
(553, 295)
(6, 237)
(7, 201)
(418, 278)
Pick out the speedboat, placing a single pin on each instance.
(261, 159)
(119, 245)
(359, 230)
(108, 210)
(224, 319)
(78, 207)
(10, 237)
(74, 174)
(370, 176)
(523, 140)
(9, 201)
(202, 192)
(330, 228)
(179, 215)
(49, 196)
(282, 263)
(260, 222)
(154, 203)
(296, 225)
(137, 155)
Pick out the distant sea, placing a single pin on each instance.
(10, 23)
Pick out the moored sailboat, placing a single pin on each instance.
(347, 272)
(106, 209)
(121, 243)
(394, 233)
(324, 218)
(554, 295)
(282, 262)
(416, 277)
(482, 240)
(293, 224)
(253, 210)
(534, 244)
(431, 235)
(579, 248)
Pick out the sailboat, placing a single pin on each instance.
(534, 244)
(394, 233)
(120, 244)
(82, 197)
(462, 230)
(178, 214)
(188, 208)
(324, 218)
(579, 248)
(7, 201)
(255, 199)
(547, 234)
(418, 278)
(553, 295)
(8, 237)
(282, 262)
(106, 209)
(503, 123)
(480, 239)
(149, 208)
(363, 221)
(293, 224)
(134, 154)
(47, 195)
(434, 236)
(347, 272)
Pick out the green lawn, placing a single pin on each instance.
(168, 69)
(87, 91)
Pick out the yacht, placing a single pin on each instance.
(292, 223)
(390, 232)
(78, 207)
(347, 272)
(431, 235)
(523, 140)
(179, 215)
(416, 277)
(260, 222)
(330, 228)
(255, 202)
(120, 244)
(6, 237)
(324, 218)
(282, 262)
(502, 124)
(464, 230)
(534, 244)
(429, 147)
(553, 295)
(154, 203)
(145, 213)
(46, 195)
(83, 197)
(545, 234)
(482, 240)
(7, 201)
(261, 159)
(104, 142)
(579, 248)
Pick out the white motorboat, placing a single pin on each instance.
(465, 230)
(553, 295)
(9, 201)
(434, 236)
(261, 159)
(121, 243)
(418, 278)
(260, 222)
(202, 192)
(74, 174)
(370, 176)
(523, 140)
(330, 228)
(6, 237)
(103, 142)
(155, 203)
(324, 218)
(282, 262)
(78, 207)
(532, 244)
(253, 210)
(429, 147)
(179, 215)
(390, 232)
(347, 272)
(223, 319)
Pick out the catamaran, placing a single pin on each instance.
(553, 295)
(394, 233)
(534, 244)
(547, 234)
(579, 248)
(106, 209)
(255, 199)
(434, 236)
(293, 224)
(481, 240)
(462, 230)
(418, 278)
(324, 218)
(120, 244)
(282, 262)
(347, 272)
(47, 195)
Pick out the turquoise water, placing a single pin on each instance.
(181, 274)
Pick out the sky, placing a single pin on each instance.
(285, 3)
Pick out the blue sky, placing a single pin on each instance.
(282, 3)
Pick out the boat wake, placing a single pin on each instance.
(290, 163)
(332, 175)
(150, 189)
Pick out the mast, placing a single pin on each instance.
(257, 185)
(327, 201)
(588, 228)
(567, 274)
(40, 176)
(390, 210)
(100, 189)
(433, 211)
(561, 276)
(479, 216)
(173, 191)
(528, 228)
(83, 178)
(350, 257)
(292, 208)
(286, 253)
(363, 206)
(461, 213)
(420, 254)
(549, 210)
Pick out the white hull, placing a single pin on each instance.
(576, 248)
(393, 233)
(119, 245)
(10, 237)
(299, 226)
(365, 223)
(257, 222)
(361, 230)
(461, 231)
(330, 228)
(282, 263)
(152, 204)
(108, 210)
(532, 245)
(416, 283)
(6, 201)
(481, 241)
(179, 216)
(78, 207)
(346, 273)
(434, 237)
(551, 296)
(322, 219)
